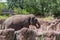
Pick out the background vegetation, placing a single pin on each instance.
(37, 7)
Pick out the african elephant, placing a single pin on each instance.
(19, 21)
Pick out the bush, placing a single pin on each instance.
(56, 14)
(20, 11)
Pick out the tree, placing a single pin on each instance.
(37, 7)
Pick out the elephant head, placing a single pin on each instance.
(34, 21)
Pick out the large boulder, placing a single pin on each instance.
(7, 34)
(25, 34)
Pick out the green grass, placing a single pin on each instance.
(3, 17)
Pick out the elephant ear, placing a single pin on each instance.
(29, 20)
(32, 20)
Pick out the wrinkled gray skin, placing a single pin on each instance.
(19, 21)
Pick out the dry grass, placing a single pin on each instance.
(49, 18)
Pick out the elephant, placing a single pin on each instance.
(19, 21)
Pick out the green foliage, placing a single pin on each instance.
(30, 9)
(2, 6)
(23, 11)
(20, 11)
(37, 7)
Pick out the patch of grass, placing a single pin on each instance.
(3, 17)
(49, 18)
